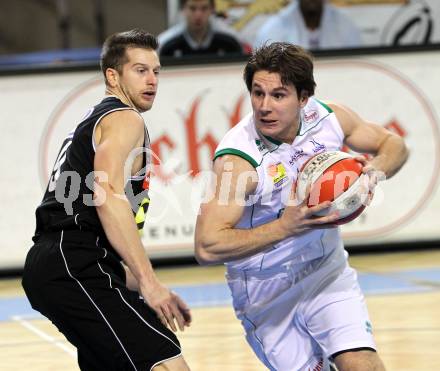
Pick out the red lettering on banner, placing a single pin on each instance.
(396, 128)
(194, 145)
(156, 148)
(235, 116)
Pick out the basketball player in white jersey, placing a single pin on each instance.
(297, 298)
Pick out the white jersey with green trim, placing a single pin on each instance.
(277, 165)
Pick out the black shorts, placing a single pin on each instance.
(79, 284)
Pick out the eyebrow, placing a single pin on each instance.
(138, 64)
(279, 88)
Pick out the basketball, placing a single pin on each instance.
(337, 177)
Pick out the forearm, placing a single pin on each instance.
(229, 244)
(391, 156)
(120, 228)
(130, 280)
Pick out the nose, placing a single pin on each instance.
(152, 79)
(265, 104)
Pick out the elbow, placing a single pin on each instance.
(405, 153)
(203, 256)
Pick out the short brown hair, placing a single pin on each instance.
(293, 63)
(113, 51)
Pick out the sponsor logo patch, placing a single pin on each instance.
(260, 145)
(368, 327)
(278, 174)
(319, 366)
(297, 155)
(318, 147)
(310, 116)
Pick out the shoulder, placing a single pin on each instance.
(340, 110)
(278, 24)
(242, 141)
(315, 113)
(343, 23)
(348, 119)
(227, 39)
(285, 15)
(220, 26)
(170, 35)
(126, 120)
(338, 15)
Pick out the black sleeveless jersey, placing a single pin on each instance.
(68, 201)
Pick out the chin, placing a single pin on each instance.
(269, 131)
(144, 106)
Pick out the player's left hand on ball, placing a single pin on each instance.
(373, 177)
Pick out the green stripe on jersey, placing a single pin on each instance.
(329, 110)
(236, 152)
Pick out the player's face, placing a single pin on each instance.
(197, 13)
(139, 77)
(276, 106)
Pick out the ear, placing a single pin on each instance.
(112, 77)
(304, 98)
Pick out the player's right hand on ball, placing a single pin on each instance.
(298, 217)
(168, 306)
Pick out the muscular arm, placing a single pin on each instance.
(389, 150)
(118, 135)
(216, 238)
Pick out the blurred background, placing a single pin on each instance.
(47, 26)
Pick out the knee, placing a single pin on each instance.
(365, 360)
(175, 364)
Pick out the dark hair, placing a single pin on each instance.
(113, 51)
(293, 63)
(183, 3)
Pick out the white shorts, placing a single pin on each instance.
(297, 316)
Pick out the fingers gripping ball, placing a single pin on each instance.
(337, 177)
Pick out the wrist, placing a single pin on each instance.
(280, 231)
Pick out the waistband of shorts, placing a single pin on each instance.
(233, 274)
(293, 268)
(88, 237)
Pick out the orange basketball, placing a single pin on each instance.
(337, 177)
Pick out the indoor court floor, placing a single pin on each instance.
(402, 291)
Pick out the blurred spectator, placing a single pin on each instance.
(199, 33)
(312, 24)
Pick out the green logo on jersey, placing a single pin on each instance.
(368, 327)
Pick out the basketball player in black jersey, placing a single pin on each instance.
(88, 271)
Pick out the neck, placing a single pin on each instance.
(312, 19)
(288, 136)
(291, 135)
(121, 95)
(199, 36)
